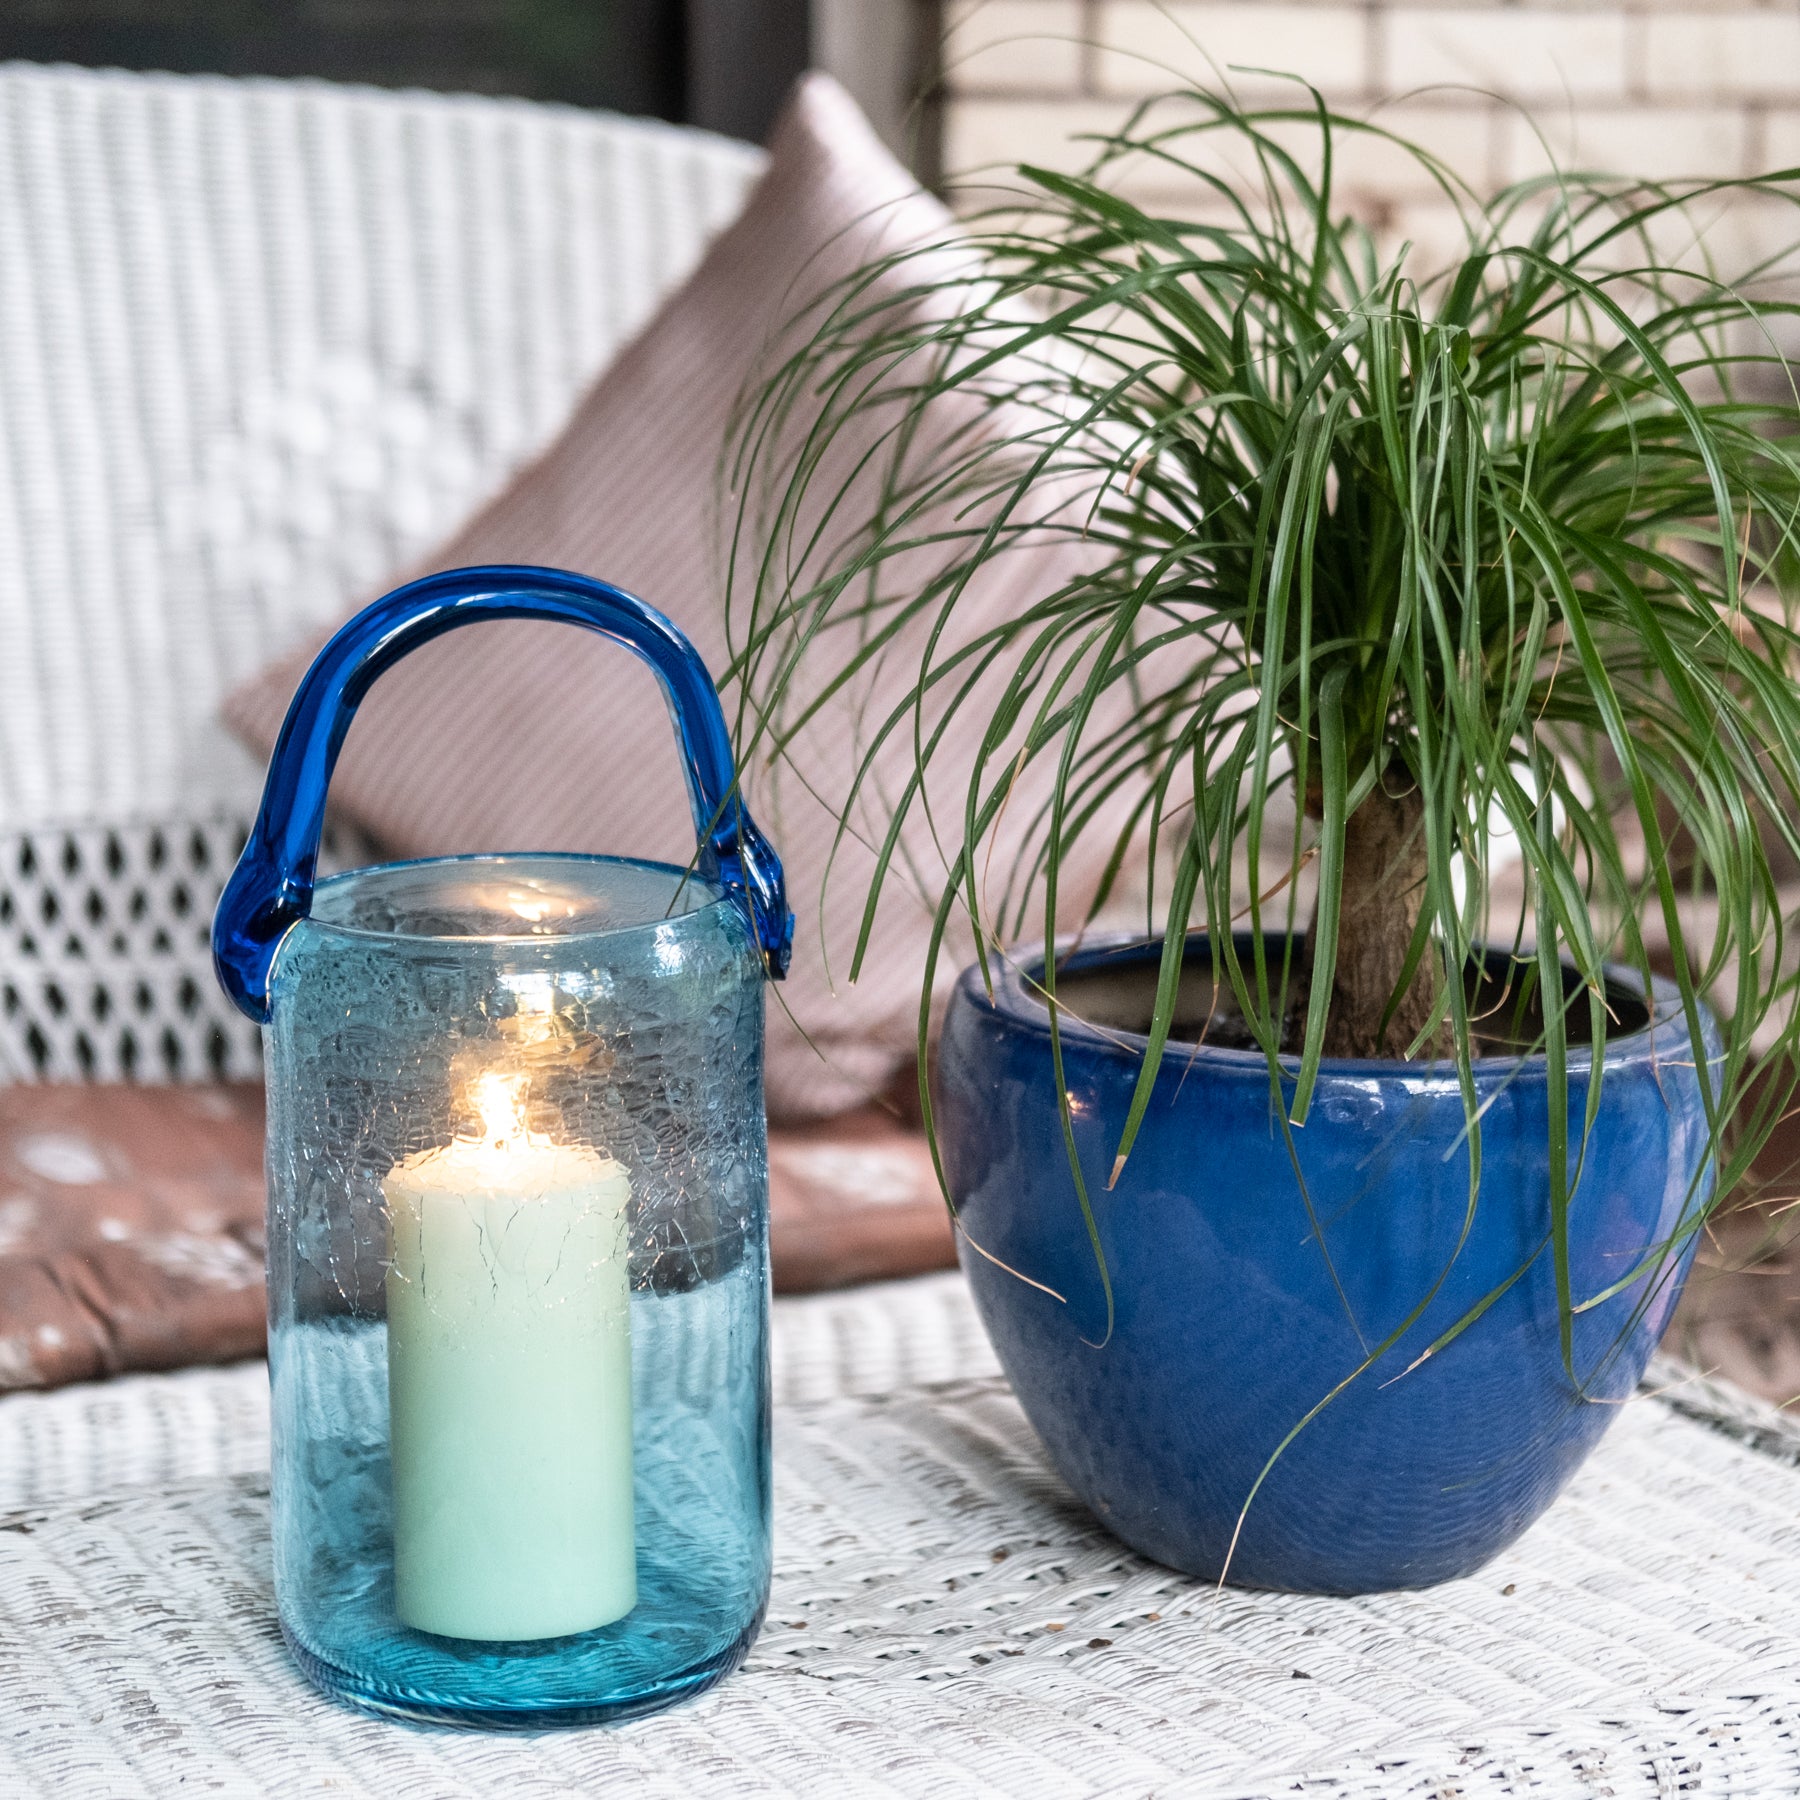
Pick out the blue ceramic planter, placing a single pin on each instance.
(1229, 1327)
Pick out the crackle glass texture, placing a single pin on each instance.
(624, 1002)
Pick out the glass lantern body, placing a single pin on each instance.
(617, 1008)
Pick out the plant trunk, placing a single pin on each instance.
(1383, 894)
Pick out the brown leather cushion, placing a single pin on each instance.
(131, 1229)
(853, 1199)
(131, 1223)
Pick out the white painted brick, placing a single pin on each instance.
(1666, 89)
(1435, 231)
(1781, 142)
(1522, 53)
(1733, 234)
(1015, 46)
(1635, 6)
(985, 134)
(1747, 231)
(1655, 143)
(1459, 134)
(1719, 55)
(1146, 48)
(1371, 173)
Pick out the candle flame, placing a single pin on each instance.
(496, 1098)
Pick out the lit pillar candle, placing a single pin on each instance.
(509, 1383)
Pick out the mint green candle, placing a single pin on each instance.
(509, 1384)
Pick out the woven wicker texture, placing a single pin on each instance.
(945, 1620)
(261, 343)
(106, 951)
(150, 1431)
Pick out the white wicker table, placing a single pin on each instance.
(945, 1619)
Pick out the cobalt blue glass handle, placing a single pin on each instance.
(271, 888)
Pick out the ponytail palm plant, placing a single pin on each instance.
(1399, 620)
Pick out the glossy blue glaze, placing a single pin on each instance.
(1229, 1326)
(272, 885)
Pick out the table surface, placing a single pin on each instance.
(946, 1619)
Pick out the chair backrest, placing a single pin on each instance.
(261, 343)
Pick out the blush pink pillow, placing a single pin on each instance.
(527, 736)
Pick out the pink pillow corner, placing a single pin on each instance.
(529, 736)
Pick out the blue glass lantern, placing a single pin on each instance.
(518, 1222)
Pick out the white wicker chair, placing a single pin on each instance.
(260, 343)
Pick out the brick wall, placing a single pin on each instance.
(1500, 91)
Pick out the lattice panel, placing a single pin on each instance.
(105, 953)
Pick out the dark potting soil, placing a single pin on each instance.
(1504, 999)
